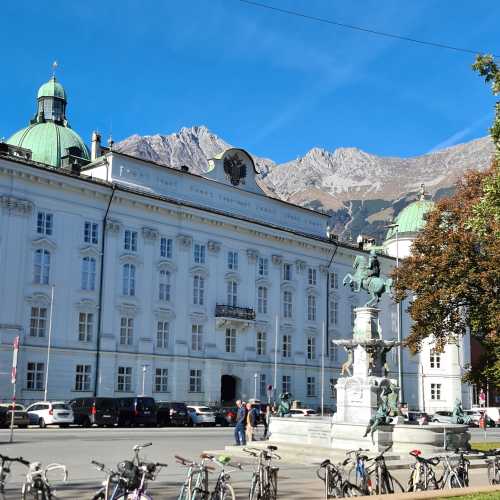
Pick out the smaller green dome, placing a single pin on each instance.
(49, 142)
(411, 219)
(52, 88)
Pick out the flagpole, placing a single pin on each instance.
(323, 369)
(49, 340)
(275, 359)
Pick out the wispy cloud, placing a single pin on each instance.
(457, 137)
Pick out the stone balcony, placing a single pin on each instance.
(233, 316)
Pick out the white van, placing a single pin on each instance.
(494, 413)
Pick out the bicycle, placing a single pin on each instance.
(5, 463)
(454, 475)
(196, 483)
(223, 489)
(264, 482)
(36, 484)
(385, 482)
(363, 484)
(129, 482)
(422, 477)
(333, 477)
(492, 458)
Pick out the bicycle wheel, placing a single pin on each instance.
(392, 484)
(350, 490)
(131, 496)
(226, 492)
(199, 494)
(254, 493)
(273, 483)
(492, 477)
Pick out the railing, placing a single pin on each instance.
(244, 313)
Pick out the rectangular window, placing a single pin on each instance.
(333, 391)
(82, 377)
(88, 273)
(311, 308)
(334, 281)
(128, 280)
(130, 241)
(263, 266)
(34, 376)
(333, 312)
(334, 353)
(287, 272)
(230, 339)
(232, 294)
(44, 223)
(311, 347)
(286, 383)
(161, 380)
(287, 304)
(162, 331)
(199, 253)
(435, 359)
(91, 232)
(436, 391)
(85, 326)
(262, 300)
(353, 313)
(311, 275)
(164, 286)
(194, 380)
(232, 261)
(126, 331)
(198, 290)
(196, 337)
(166, 248)
(287, 346)
(261, 343)
(38, 321)
(311, 387)
(263, 387)
(124, 379)
(41, 267)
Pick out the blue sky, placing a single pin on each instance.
(273, 84)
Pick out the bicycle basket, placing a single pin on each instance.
(130, 473)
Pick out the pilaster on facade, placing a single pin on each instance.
(149, 234)
(184, 242)
(113, 227)
(277, 260)
(252, 255)
(213, 246)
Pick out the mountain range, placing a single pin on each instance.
(362, 192)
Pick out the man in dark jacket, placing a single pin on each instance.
(239, 429)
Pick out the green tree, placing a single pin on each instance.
(453, 274)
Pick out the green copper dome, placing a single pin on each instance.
(412, 218)
(49, 136)
(52, 89)
(49, 142)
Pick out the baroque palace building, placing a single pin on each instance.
(152, 280)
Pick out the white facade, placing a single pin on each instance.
(178, 247)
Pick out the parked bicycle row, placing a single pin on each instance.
(360, 474)
(130, 478)
(109, 412)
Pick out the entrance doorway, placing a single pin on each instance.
(228, 389)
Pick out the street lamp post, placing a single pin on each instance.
(144, 369)
(255, 376)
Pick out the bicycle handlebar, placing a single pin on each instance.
(138, 447)
(20, 460)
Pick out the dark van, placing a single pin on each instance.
(171, 413)
(94, 411)
(136, 411)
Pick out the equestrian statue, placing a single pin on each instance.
(367, 277)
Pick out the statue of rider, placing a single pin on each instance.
(373, 267)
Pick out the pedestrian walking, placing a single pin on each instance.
(251, 422)
(482, 398)
(239, 428)
(265, 420)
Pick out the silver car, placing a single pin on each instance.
(442, 417)
(50, 413)
(201, 415)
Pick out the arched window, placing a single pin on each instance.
(88, 273)
(232, 293)
(129, 279)
(164, 286)
(41, 268)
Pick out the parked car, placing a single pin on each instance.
(442, 417)
(94, 411)
(230, 415)
(50, 413)
(171, 413)
(476, 414)
(303, 412)
(220, 417)
(20, 416)
(413, 417)
(135, 411)
(494, 413)
(201, 415)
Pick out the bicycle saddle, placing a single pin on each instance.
(206, 455)
(272, 448)
(325, 463)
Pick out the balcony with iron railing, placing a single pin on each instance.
(234, 312)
